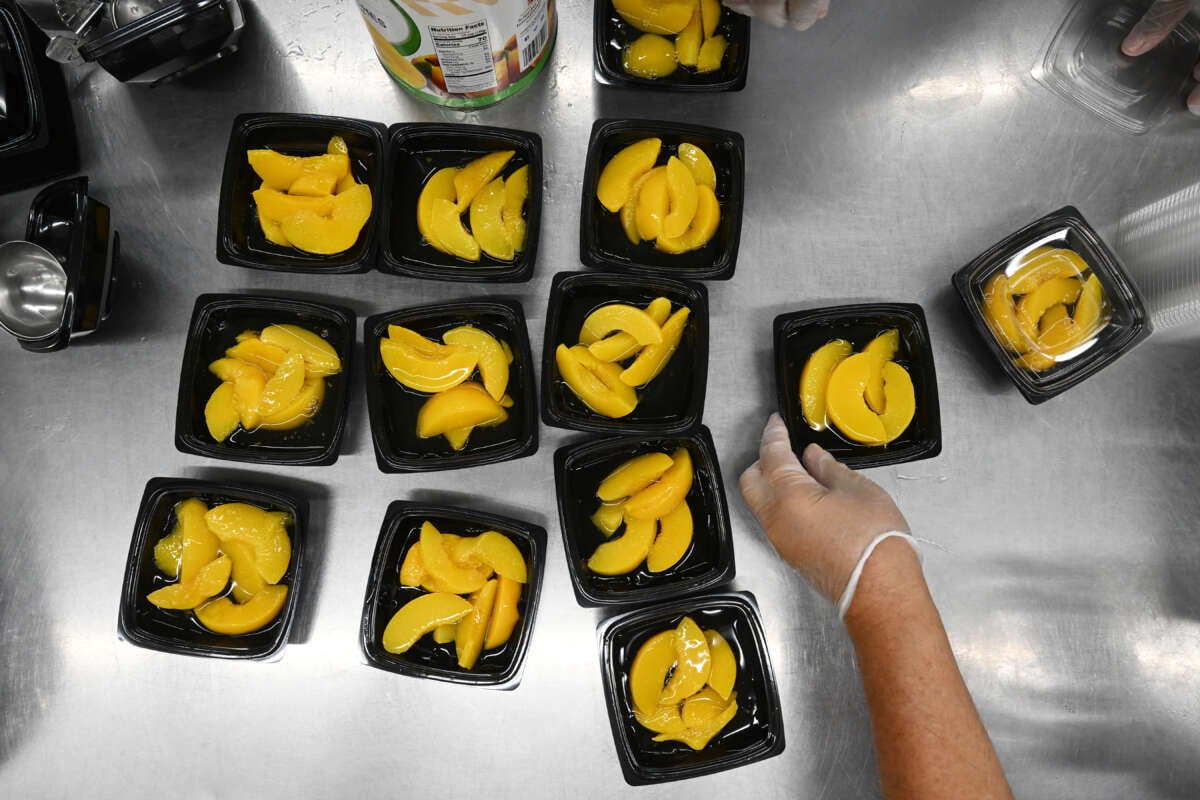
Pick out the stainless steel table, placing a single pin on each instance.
(885, 148)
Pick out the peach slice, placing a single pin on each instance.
(487, 225)
(464, 406)
(622, 170)
(712, 53)
(693, 663)
(1068, 333)
(682, 199)
(846, 402)
(491, 359)
(420, 616)
(497, 552)
(478, 174)
(649, 670)
(438, 187)
(445, 227)
(633, 475)
(168, 551)
(673, 540)
(345, 183)
(628, 212)
(814, 380)
(303, 407)
(319, 184)
(608, 517)
(1001, 315)
(595, 382)
(423, 364)
(1054, 291)
(653, 204)
(698, 738)
(223, 616)
(319, 356)
(882, 349)
(505, 614)
(253, 350)
(471, 629)
(272, 230)
(1054, 315)
(702, 708)
(516, 190)
(649, 56)
(283, 387)
(656, 16)
(336, 233)
(622, 317)
(661, 497)
(220, 412)
(197, 544)
(209, 580)
(1043, 264)
(710, 13)
(437, 564)
(247, 581)
(279, 171)
(703, 226)
(412, 568)
(623, 554)
(278, 206)
(663, 719)
(900, 401)
(687, 42)
(445, 634)
(621, 345)
(654, 357)
(698, 163)
(724, 664)
(264, 531)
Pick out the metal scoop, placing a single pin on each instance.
(33, 290)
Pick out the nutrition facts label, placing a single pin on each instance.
(465, 55)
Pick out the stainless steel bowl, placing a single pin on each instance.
(33, 290)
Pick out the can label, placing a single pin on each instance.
(463, 53)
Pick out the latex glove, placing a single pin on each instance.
(819, 515)
(1154, 27)
(800, 14)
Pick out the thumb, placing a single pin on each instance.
(829, 472)
(1155, 26)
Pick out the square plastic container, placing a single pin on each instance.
(798, 335)
(216, 320)
(612, 34)
(709, 562)
(602, 241)
(415, 153)
(394, 407)
(240, 240)
(1128, 322)
(754, 734)
(499, 668)
(146, 625)
(1084, 65)
(672, 403)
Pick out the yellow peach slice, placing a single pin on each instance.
(623, 317)
(478, 174)
(445, 634)
(272, 230)
(682, 199)
(1045, 264)
(814, 380)
(320, 358)
(279, 171)
(622, 171)
(168, 552)
(490, 356)
(653, 204)
(654, 357)
(303, 407)
(622, 554)
(220, 412)
(319, 184)
(505, 614)
(724, 664)
(487, 224)
(649, 56)
(468, 640)
(1001, 315)
(900, 401)
(710, 14)
(1069, 333)
(198, 545)
(283, 387)
(712, 53)
(516, 190)
(846, 402)
(211, 579)
(423, 364)
(437, 564)
(253, 350)
(223, 616)
(882, 349)
(264, 531)
(661, 497)
(702, 708)
(279, 206)
(345, 183)
(412, 568)
(230, 369)
(445, 227)
(703, 228)
(1031, 307)
(693, 663)
(1053, 316)
(247, 581)
(648, 673)
(608, 517)
(594, 383)
(633, 475)
(673, 540)
(1091, 306)
(698, 738)
(663, 719)
(656, 16)
(628, 213)
(496, 551)
(699, 164)
(420, 616)
(438, 187)
(687, 42)
(465, 405)
(621, 345)
(327, 235)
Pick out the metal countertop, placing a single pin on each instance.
(885, 148)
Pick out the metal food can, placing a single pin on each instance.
(462, 53)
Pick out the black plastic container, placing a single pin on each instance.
(612, 35)
(393, 407)
(37, 131)
(170, 41)
(754, 734)
(672, 403)
(499, 668)
(217, 319)
(76, 229)
(798, 335)
(240, 240)
(415, 152)
(146, 625)
(602, 241)
(709, 562)
(1128, 325)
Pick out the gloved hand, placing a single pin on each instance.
(1154, 27)
(800, 14)
(820, 515)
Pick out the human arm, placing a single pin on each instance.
(1153, 28)
(800, 14)
(820, 516)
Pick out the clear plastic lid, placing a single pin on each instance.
(1084, 64)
